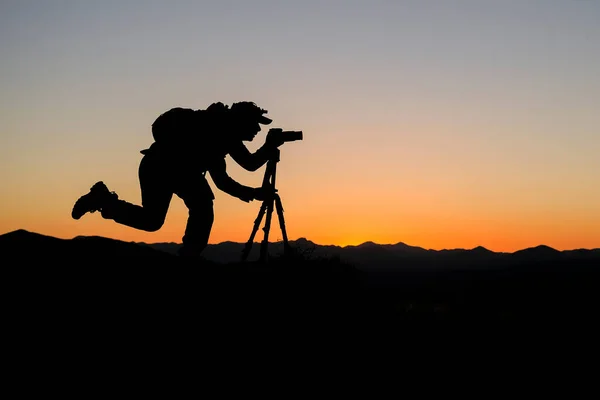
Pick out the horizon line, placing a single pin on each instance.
(318, 244)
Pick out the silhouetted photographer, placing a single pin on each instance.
(187, 144)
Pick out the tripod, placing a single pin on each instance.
(267, 207)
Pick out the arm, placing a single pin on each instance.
(224, 182)
(252, 161)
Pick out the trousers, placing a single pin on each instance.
(160, 178)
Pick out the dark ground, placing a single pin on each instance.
(101, 294)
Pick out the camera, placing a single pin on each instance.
(278, 135)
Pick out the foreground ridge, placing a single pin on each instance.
(122, 281)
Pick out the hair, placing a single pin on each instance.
(217, 107)
(248, 107)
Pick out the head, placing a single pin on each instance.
(245, 119)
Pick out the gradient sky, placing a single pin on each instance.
(441, 124)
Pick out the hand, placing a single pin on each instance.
(274, 137)
(264, 193)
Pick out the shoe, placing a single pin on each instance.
(98, 196)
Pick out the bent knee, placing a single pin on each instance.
(152, 225)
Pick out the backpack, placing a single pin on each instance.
(176, 125)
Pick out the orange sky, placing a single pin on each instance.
(434, 125)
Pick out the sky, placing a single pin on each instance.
(440, 124)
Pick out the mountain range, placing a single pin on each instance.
(370, 255)
(365, 256)
(368, 284)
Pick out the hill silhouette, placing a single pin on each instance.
(370, 255)
(121, 282)
(381, 284)
(29, 245)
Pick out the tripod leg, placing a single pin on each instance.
(286, 246)
(269, 172)
(248, 246)
(265, 243)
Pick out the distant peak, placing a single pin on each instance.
(481, 249)
(25, 235)
(22, 232)
(543, 247)
(538, 249)
(404, 246)
(226, 242)
(368, 244)
(303, 240)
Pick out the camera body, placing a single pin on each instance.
(278, 135)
